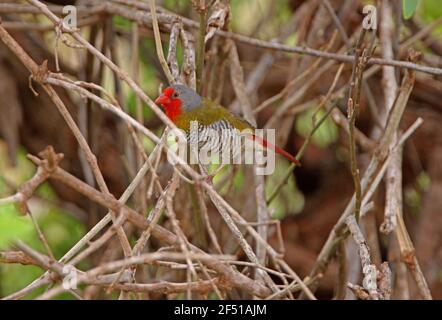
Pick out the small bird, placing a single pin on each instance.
(183, 105)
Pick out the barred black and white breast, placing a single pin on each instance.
(219, 137)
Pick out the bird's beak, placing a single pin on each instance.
(163, 100)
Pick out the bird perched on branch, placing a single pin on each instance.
(183, 105)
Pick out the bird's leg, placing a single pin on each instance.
(218, 170)
(208, 177)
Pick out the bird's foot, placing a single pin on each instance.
(208, 178)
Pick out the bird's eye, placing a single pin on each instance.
(175, 94)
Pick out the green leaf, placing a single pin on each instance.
(409, 7)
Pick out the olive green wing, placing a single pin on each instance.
(208, 114)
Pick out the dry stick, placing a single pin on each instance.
(182, 241)
(385, 276)
(329, 93)
(383, 168)
(361, 57)
(262, 213)
(334, 56)
(393, 195)
(292, 287)
(347, 41)
(286, 283)
(200, 54)
(47, 263)
(408, 256)
(292, 83)
(38, 74)
(27, 189)
(97, 244)
(337, 93)
(26, 26)
(393, 205)
(341, 281)
(152, 218)
(270, 271)
(8, 8)
(145, 18)
(158, 44)
(16, 257)
(336, 21)
(188, 70)
(384, 280)
(353, 106)
(369, 270)
(205, 214)
(141, 155)
(171, 55)
(364, 142)
(56, 79)
(155, 165)
(368, 179)
(240, 238)
(85, 73)
(422, 33)
(153, 257)
(41, 235)
(200, 286)
(214, 285)
(76, 85)
(371, 102)
(257, 76)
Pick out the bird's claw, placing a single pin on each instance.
(208, 178)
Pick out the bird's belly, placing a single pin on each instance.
(219, 139)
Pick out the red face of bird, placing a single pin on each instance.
(169, 99)
(177, 99)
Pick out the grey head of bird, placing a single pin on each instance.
(190, 98)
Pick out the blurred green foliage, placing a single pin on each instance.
(408, 8)
(429, 11)
(413, 194)
(13, 226)
(289, 199)
(325, 135)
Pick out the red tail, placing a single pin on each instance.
(277, 150)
